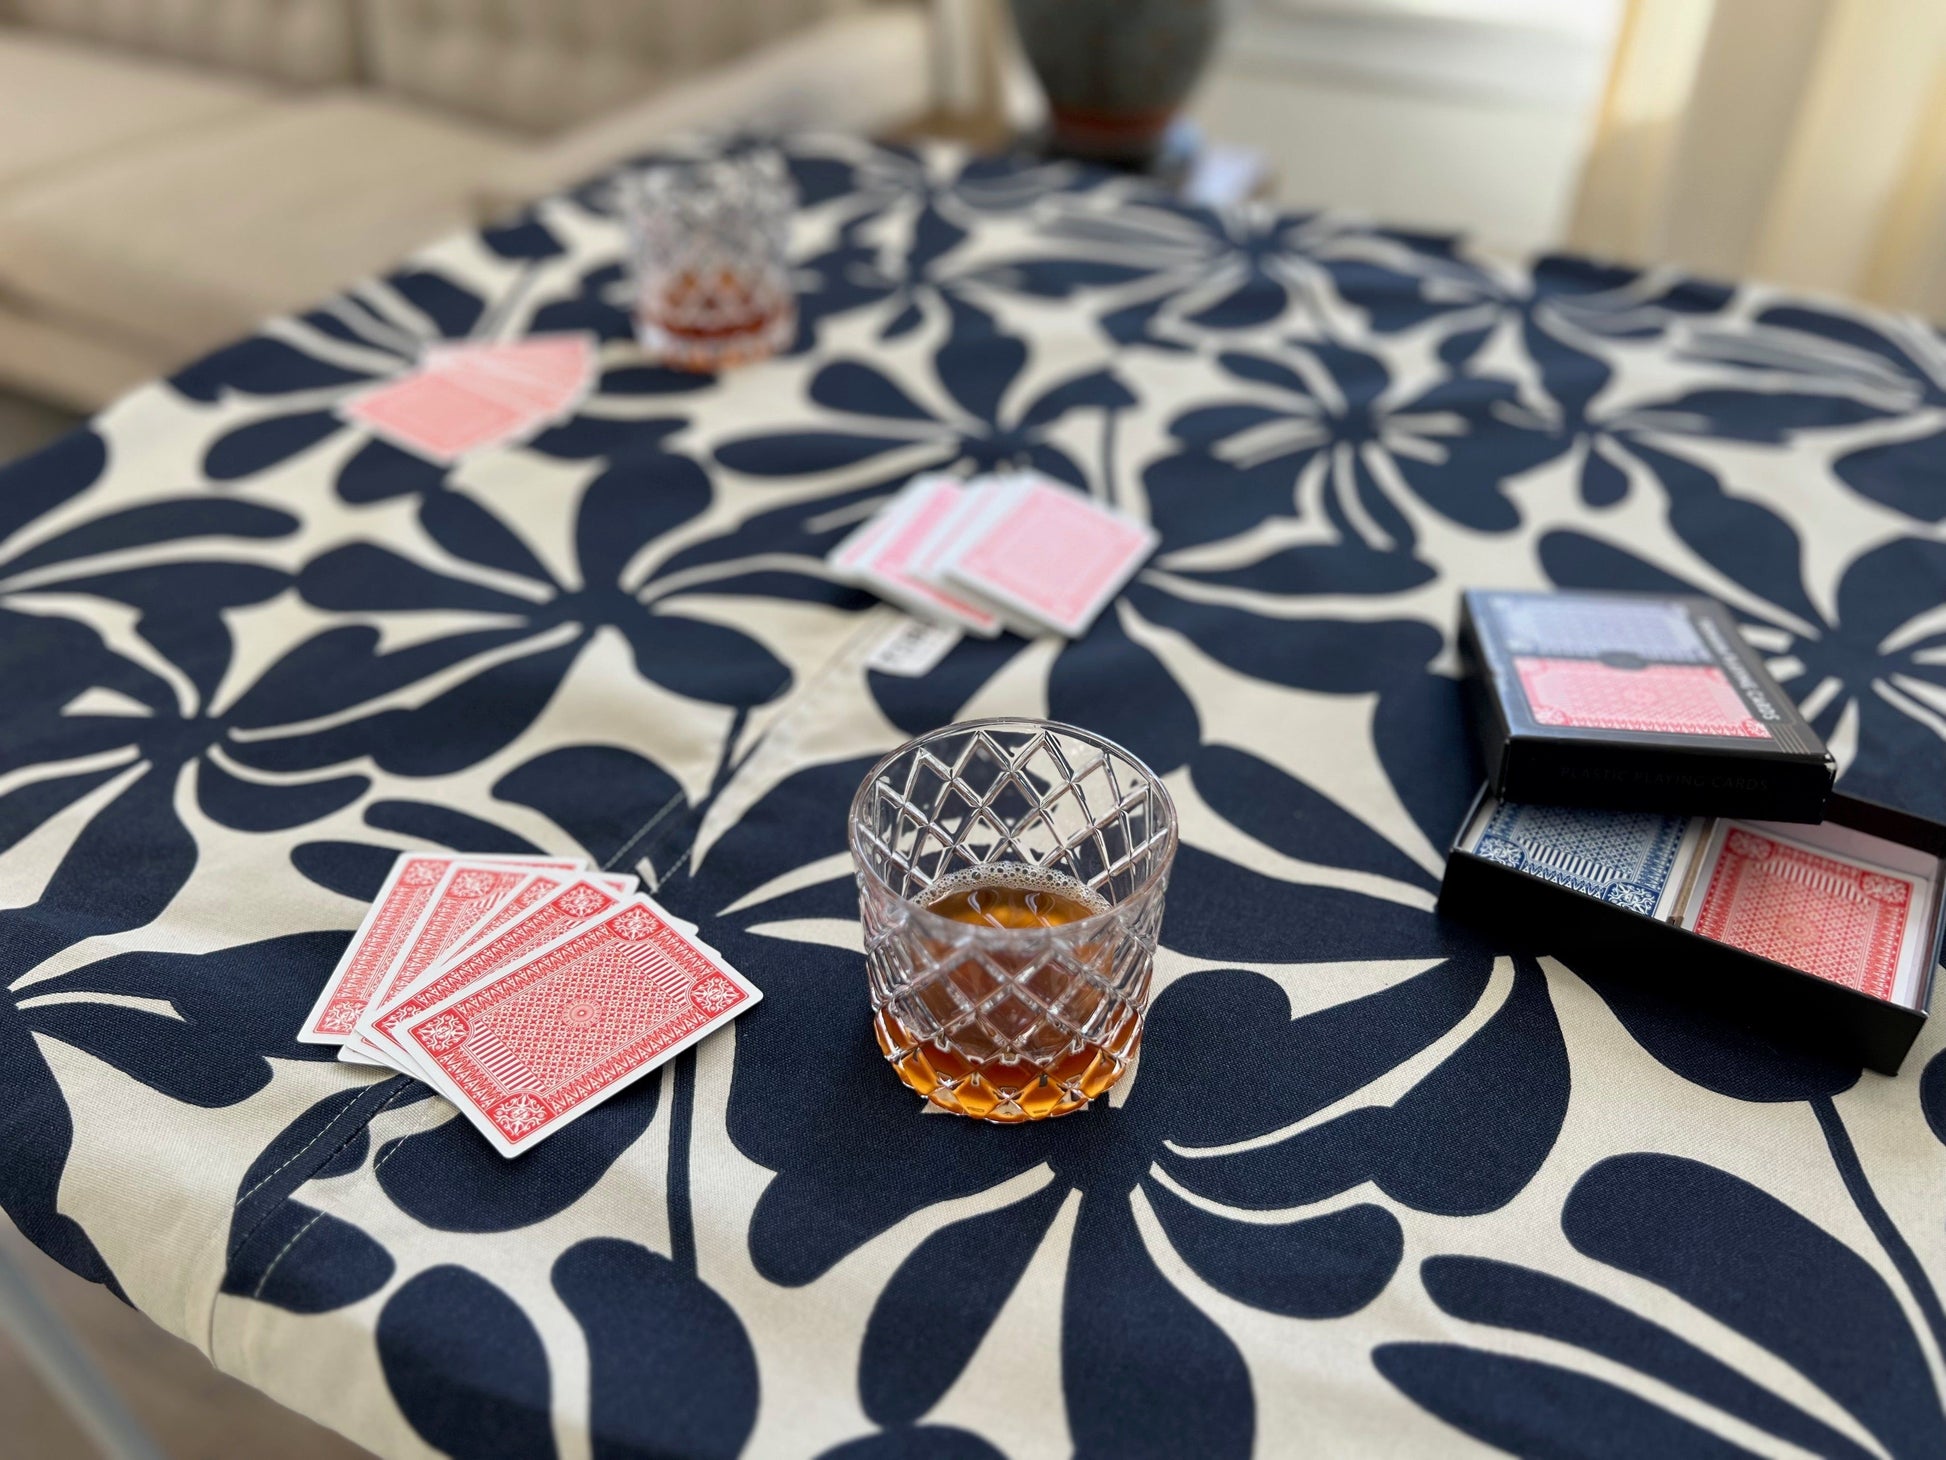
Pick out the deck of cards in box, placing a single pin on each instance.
(1715, 862)
(1635, 702)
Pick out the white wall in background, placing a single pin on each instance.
(1470, 114)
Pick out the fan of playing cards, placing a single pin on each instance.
(524, 990)
(476, 393)
(1017, 551)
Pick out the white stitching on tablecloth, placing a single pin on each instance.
(778, 738)
(298, 1235)
(258, 1290)
(323, 1131)
(679, 799)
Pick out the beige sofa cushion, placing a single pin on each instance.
(303, 41)
(539, 65)
(868, 72)
(63, 104)
(184, 245)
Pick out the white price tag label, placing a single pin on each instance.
(912, 648)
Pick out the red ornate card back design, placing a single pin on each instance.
(559, 1030)
(555, 918)
(1839, 921)
(1665, 699)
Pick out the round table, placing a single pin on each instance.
(1379, 1185)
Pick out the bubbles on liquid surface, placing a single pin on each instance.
(1012, 895)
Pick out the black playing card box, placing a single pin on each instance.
(1781, 1005)
(1636, 702)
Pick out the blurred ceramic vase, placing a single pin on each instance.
(1115, 71)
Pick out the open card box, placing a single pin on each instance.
(1725, 914)
(1638, 701)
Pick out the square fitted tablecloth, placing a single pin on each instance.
(1379, 1185)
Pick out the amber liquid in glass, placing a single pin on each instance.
(978, 1075)
(714, 319)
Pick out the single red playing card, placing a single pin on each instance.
(1825, 916)
(436, 417)
(1666, 699)
(556, 910)
(530, 1048)
(402, 897)
(1049, 553)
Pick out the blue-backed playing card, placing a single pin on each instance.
(1587, 626)
(1626, 858)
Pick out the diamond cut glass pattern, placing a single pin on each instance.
(708, 241)
(1011, 876)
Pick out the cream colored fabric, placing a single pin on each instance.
(1798, 140)
(540, 65)
(304, 41)
(859, 73)
(63, 105)
(183, 246)
(80, 370)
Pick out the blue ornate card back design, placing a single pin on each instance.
(1575, 626)
(1625, 858)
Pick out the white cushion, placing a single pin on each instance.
(305, 41)
(540, 65)
(863, 73)
(183, 245)
(63, 105)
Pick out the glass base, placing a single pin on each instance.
(708, 351)
(1002, 1093)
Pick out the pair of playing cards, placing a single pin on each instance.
(1827, 899)
(468, 395)
(524, 990)
(1017, 551)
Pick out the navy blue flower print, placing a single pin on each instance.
(671, 1369)
(981, 424)
(1894, 372)
(1322, 432)
(1563, 310)
(1172, 272)
(1721, 1245)
(511, 670)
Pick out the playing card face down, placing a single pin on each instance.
(1589, 626)
(561, 908)
(468, 395)
(884, 555)
(532, 1047)
(403, 896)
(1049, 554)
(1625, 858)
(1666, 699)
(1823, 914)
(469, 892)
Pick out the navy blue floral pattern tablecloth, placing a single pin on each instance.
(1380, 1185)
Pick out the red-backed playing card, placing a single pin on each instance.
(529, 1049)
(1666, 699)
(527, 896)
(1047, 553)
(563, 909)
(467, 893)
(881, 555)
(1842, 922)
(466, 395)
(437, 417)
(402, 897)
